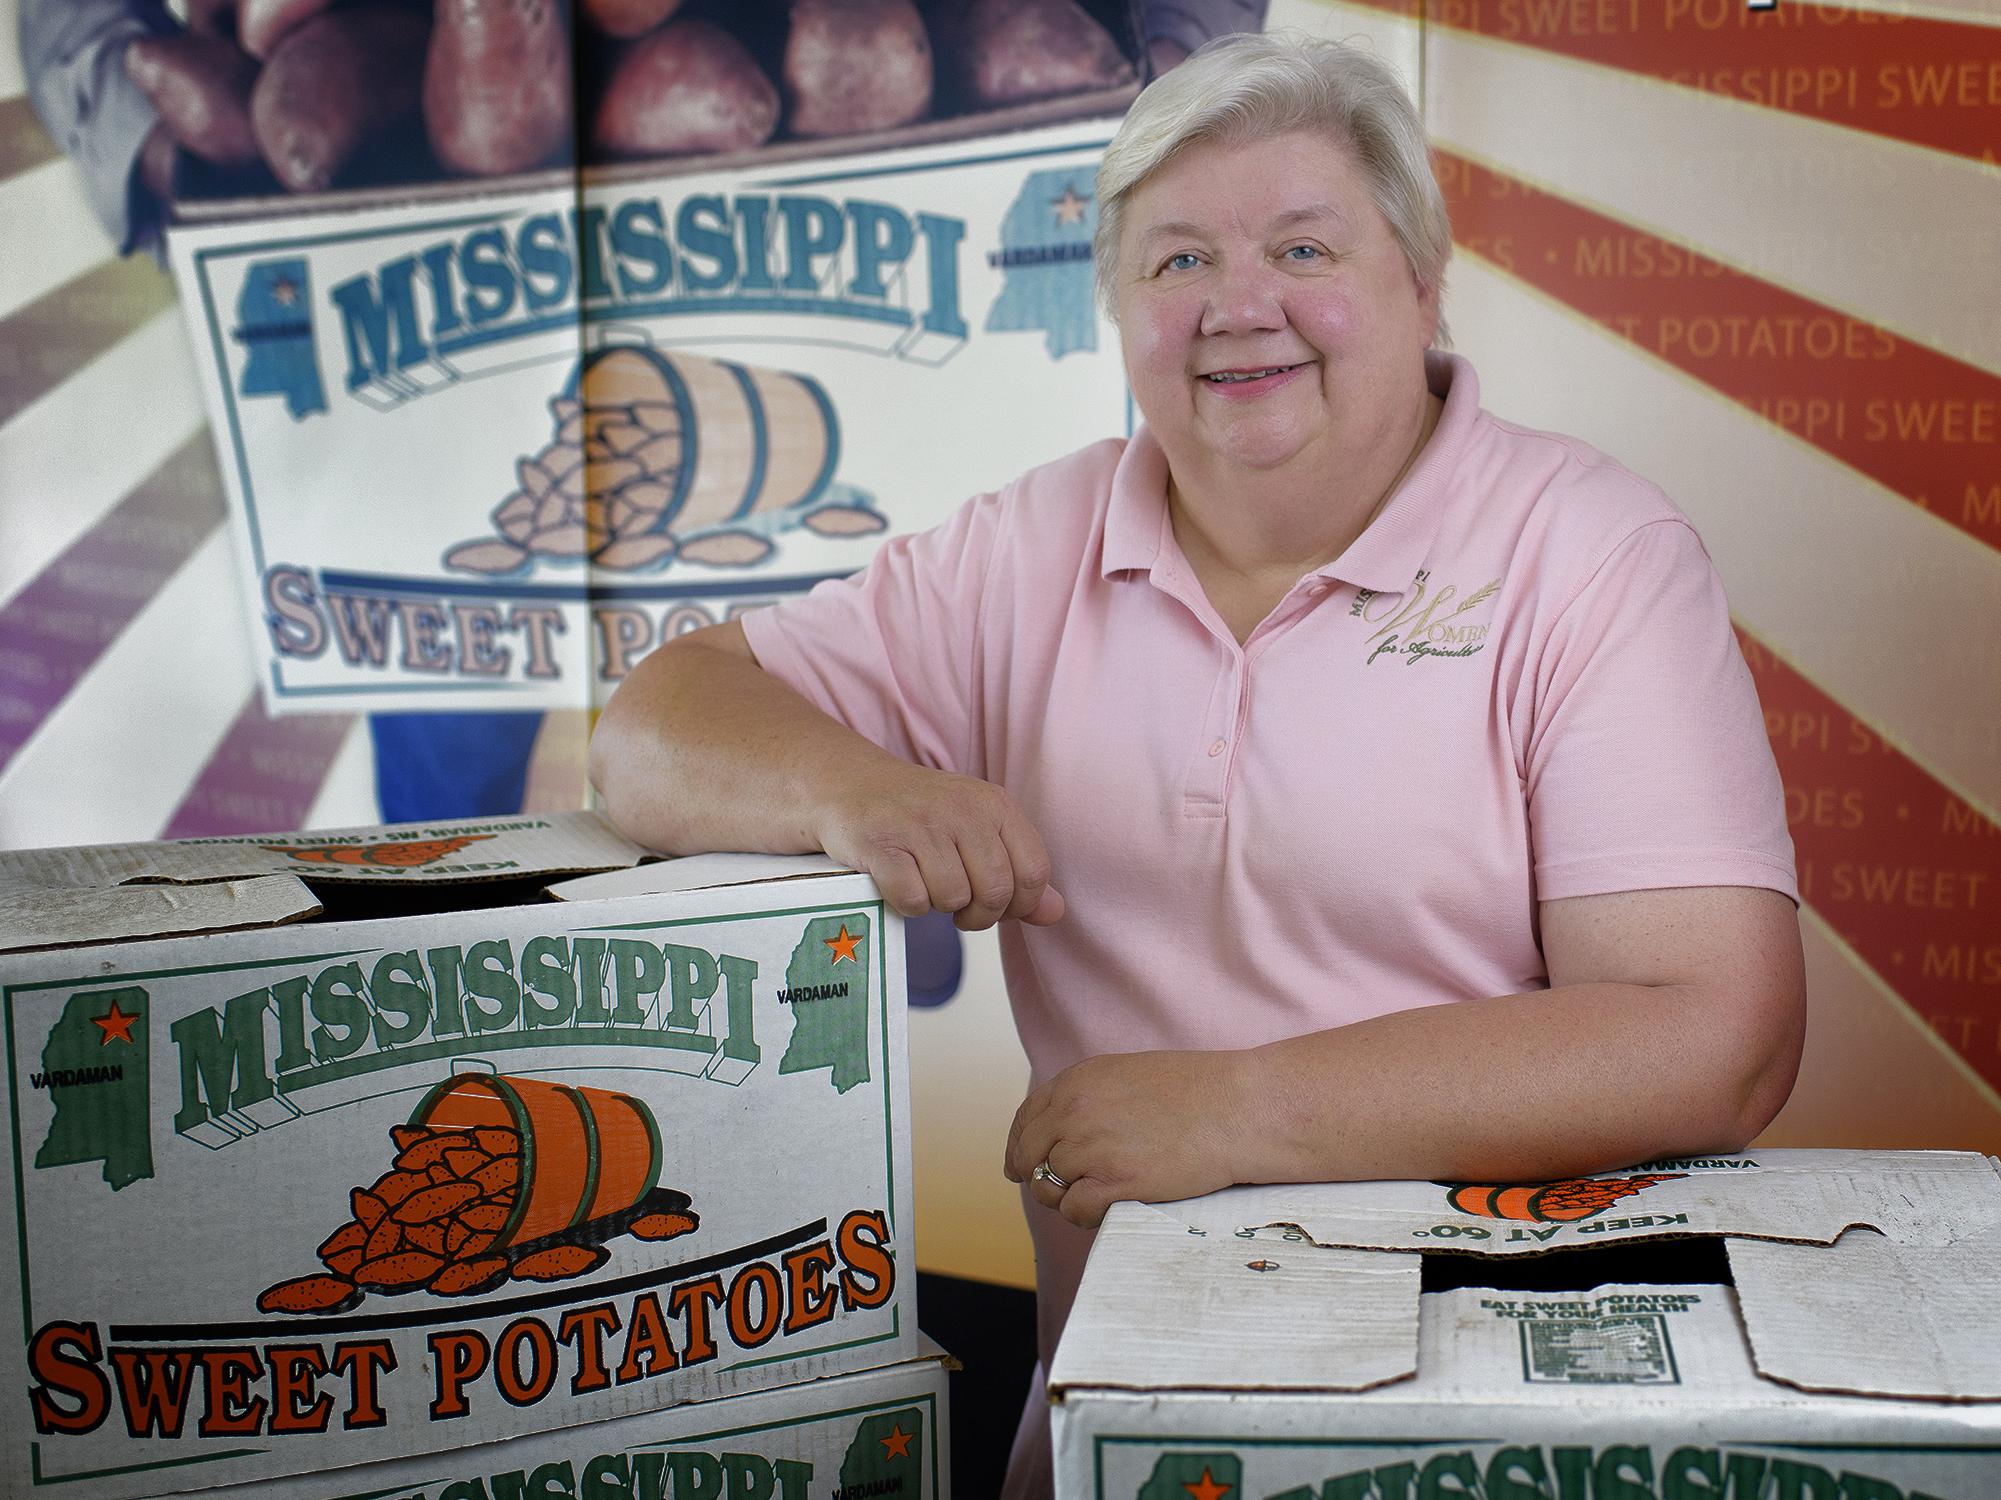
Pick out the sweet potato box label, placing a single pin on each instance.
(488, 452)
(316, 1196)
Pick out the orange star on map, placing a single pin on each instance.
(843, 946)
(115, 1024)
(1206, 1488)
(897, 1444)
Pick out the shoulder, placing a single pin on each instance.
(1069, 481)
(1570, 506)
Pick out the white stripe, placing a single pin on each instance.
(81, 447)
(1885, 607)
(1874, 1073)
(11, 80)
(1972, 12)
(346, 798)
(1391, 38)
(1886, 231)
(52, 234)
(114, 761)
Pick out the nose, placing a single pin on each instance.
(1244, 298)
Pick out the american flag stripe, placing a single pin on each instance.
(136, 730)
(73, 454)
(23, 142)
(1852, 584)
(1924, 425)
(64, 329)
(264, 776)
(1907, 873)
(58, 627)
(1919, 79)
(45, 206)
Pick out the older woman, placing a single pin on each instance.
(1407, 795)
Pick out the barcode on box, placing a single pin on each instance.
(1631, 1349)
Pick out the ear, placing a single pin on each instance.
(1428, 309)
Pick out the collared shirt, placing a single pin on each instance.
(1518, 684)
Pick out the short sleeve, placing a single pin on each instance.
(891, 652)
(1648, 765)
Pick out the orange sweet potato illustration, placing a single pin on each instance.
(1550, 1202)
(466, 1204)
(401, 853)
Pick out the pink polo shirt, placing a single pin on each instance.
(1519, 683)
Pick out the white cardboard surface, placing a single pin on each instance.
(1841, 1366)
(41, 916)
(885, 1427)
(1185, 1309)
(188, 1117)
(450, 849)
(695, 872)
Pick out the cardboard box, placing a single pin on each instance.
(882, 1432)
(637, 1146)
(1833, 1332)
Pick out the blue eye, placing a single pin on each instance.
(1304, 252)
(1185, 261)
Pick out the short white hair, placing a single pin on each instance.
(1251, 86)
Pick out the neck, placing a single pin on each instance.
(1283, 523)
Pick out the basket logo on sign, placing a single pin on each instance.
(660, 454)
(496, 1178)
(888, 278)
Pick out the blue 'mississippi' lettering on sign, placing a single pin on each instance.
(794, 254)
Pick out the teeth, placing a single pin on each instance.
(1251, 375)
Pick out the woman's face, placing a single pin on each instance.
(1267, 313)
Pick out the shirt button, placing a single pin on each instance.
(1216, 749)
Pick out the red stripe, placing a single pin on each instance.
(264, 777)
(1911, 78)
(1908, 874)
(1923, 424)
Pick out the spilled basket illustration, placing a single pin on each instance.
(495, 1178)
(658, 455)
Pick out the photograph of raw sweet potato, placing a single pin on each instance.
(260, 96)
(495, 1179)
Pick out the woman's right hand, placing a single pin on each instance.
(937, 841)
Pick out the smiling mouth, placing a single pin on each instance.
(1239, 377)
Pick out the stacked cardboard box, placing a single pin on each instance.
(355, 1148)
(1809, 1325)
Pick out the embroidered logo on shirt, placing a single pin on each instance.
(1422, 623)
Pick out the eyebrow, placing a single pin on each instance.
(1177, 227)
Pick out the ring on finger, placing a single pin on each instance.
(1046, 1173)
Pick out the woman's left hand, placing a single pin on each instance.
(1150, 1126)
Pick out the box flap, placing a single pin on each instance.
(1913, 1197)
(1198, 1311)
(695, 872)
(43, 916)
(1870, 1316)
(399, 853)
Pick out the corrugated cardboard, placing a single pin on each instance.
(882, 1432)
(1275, 1342)
(707, 1096)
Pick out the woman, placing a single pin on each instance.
(1325, 700)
